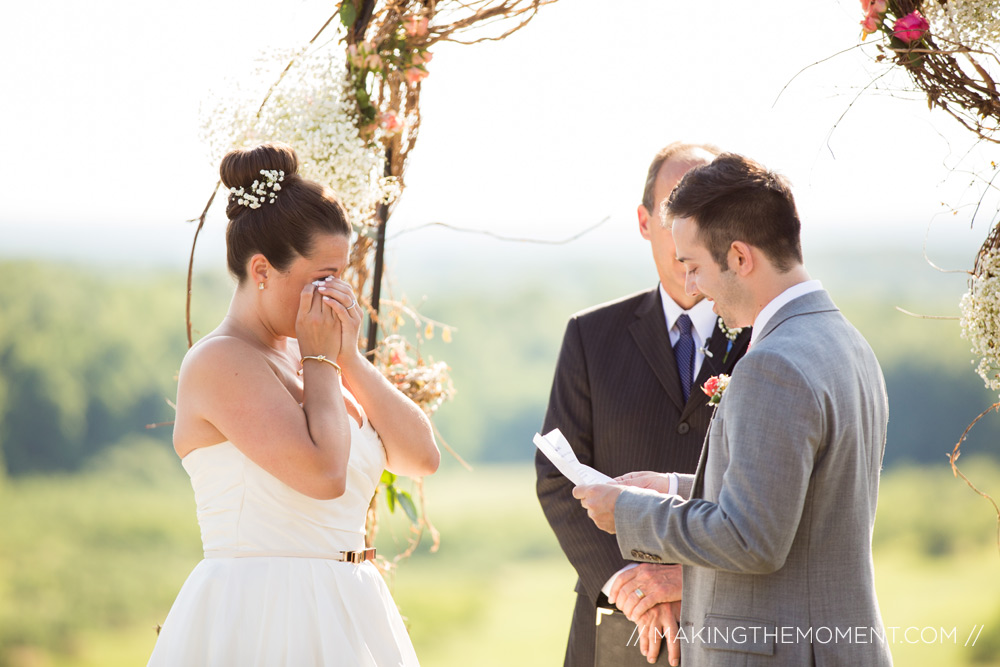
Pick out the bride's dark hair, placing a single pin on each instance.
(281, 230)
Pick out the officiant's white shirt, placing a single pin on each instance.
(703, 323)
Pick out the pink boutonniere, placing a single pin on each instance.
(714, 387)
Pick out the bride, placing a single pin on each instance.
(285, 428)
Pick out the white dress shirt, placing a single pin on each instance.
(703, 323)
(793, 292)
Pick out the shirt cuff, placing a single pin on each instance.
(607, 586)
(672, 484)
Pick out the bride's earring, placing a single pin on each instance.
(260, 285)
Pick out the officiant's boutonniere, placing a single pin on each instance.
(731, 335)
(715, 387)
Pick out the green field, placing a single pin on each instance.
(90, 562)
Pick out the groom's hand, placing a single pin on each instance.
(599, 501)
(657, 583)
(661, 624)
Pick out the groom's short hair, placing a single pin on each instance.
(734, 198)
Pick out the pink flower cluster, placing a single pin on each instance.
(416, 26)
(418, 72)
(390, 122)
(874, 9)
(910, 28)
(364, 56)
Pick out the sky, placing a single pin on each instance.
(540, 136)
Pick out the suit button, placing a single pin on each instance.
(636, 553)
(683, 428)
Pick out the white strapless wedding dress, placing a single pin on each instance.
(266, 594)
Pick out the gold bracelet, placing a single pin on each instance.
(321, 357)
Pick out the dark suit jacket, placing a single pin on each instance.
(617, 398)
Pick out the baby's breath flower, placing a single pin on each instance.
(974, 23)
(313, 110)
(259, 190)
(980, 320)
(731, 334)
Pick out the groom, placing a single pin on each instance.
(774, 530)
(618, 397)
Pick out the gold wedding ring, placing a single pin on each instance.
(639, 594)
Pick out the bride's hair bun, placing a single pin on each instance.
(286, 213)
(242, 167)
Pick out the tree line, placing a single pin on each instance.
(87, 360)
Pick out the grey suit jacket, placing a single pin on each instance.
(776, 536)
(617, 398)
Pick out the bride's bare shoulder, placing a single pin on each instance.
(219, 352)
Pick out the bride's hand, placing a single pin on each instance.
(338, 297)
(317, 327)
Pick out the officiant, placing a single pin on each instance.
(627, 396)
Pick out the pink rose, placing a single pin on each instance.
(911, 28)
(416, 26)
(414, 75)
(880, 6)
(422, 57)
(373, 61)
(715, 387)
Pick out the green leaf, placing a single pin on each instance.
(348, 13)
(406, 501)
(387, 478)
(363, 99)
(390, 498)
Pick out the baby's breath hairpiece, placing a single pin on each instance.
(259, 190)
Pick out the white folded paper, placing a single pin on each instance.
(556, 448)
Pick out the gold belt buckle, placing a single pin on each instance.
(357, 557)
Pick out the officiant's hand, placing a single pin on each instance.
(599, 501)
(661, 624)
(657, 583)
(657, 481)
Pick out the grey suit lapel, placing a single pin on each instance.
(649, 330)
(813, 302)
(699, 473)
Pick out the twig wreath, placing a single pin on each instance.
(949, 50)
